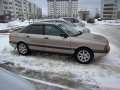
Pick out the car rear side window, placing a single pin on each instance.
(70, 20)
(49, 21)
(35, 29)
(25, 29)
(52, 30)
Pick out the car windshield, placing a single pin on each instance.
(76, 20)
(70, 30)
(71, 24)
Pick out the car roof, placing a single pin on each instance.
(52, 20)
(46, 23)
(67, 17)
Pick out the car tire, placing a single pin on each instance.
(23, 49)
(84, 55)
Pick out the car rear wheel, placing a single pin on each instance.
(84, 55)
(23, 48)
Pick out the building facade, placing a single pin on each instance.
(118, 14)
(84, 15)
(13, 9)
(34, 11)
(6, 9)
(62, 8)
(110, 9)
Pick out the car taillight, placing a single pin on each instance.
(10, 37)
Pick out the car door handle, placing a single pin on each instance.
(46, 38)
(27, 36)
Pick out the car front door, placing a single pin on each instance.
(54, 42)
(34, 37)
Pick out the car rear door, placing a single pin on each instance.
(54, 42)
(34, 37)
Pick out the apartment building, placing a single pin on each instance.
(6, 9)
(13, 9)
(110, 9)
(34, 11)
(62, 8)
(118, 14)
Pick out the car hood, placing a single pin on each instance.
(78, 28)
(82, 29)
(94, 37)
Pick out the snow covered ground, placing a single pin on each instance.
(13, 24)
(108, 22)
(103, 72)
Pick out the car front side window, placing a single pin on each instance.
(52, 30)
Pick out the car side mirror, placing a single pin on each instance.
(63, 35)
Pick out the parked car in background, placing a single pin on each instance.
(59, 38)
(99, 19)
(3, 21)
(75, 21)
(10, 81)
(91, 20)
(77, 27)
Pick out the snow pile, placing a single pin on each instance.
(4, 26)
(19, 23)
(108, 22)
(13, 24)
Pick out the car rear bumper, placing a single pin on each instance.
(13, 44)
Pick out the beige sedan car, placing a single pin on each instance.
(59, 38)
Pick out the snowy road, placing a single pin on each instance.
(103, 72)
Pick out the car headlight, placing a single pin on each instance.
(107, 48)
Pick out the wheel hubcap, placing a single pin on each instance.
(22, 48)
(83, 56)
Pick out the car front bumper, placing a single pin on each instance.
(101, 53)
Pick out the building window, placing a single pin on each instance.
(10, 3)
(5, 2)
(107, 12)
(11, 7)
(108, 8)
(108, 4)
(5, 7)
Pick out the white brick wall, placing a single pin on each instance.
(16, 8)
(62, 8)
(116, 7)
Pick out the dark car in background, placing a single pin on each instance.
(99, 19)
(3, 21)
(91, 20)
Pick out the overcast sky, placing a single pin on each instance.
(91, 5)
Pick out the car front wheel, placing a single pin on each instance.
(23, 48)
(84, 55)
